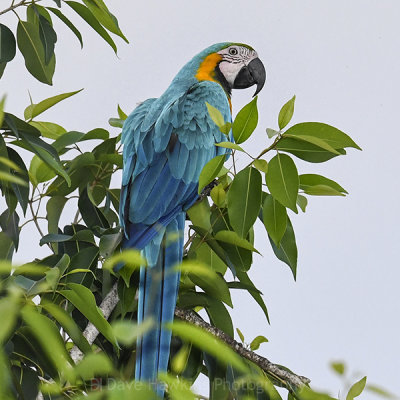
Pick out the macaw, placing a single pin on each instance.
(167, 141)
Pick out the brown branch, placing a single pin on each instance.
(287, 378)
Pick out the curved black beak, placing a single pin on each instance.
(251, 74)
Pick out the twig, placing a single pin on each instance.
(14, 6)
(207, 190)
(287, 378)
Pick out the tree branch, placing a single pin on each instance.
(288, 379)
(284, 377)
(91, 332)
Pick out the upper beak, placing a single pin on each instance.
(251, 74)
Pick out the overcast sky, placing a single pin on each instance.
(341, 59)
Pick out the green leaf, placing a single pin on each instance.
(203, 276)
(9, 223)
(233, 238)
(219, 315)
(286, 113)
(91, 214)
(261, 165)
(314, 141)
(226, 128)
(302, 202)
(116, 122)
(82, 298)
(9, 308)
(332, 136)
(218, 195)
(229, 145)
(103, 15)
(302, 148)
(380, 392)
(255, 293)
(48, 37)
(210, 171)
(21, 191)
(287, 251)
(88, 16)
(274, 218)
(34, 11)
(54, 238)
(34, 110)
(179, 360)
(245, 122)
(54, 209)
(108, 244)
(2, 68)
(52, 163)
(239, 332)
(67, 139)
(39, 171)
(215, 115)
(49, 129)
(68, 324)
(47, 334)
(7, 44)
(356, 389)
(121, 114)
(338, 367)
(305, 393)
(131, 259)
(94, 364)
(208, 343)
(2, 102)
(318, 185)
(7, 177)
(126, 332)
(255, 344)
(271, 132)
(199, 214)
(67, 22)
(6, 247)
(31, 48)
(97, 133)
(283, 181)
(244, 200)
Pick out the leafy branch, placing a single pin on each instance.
(14, 5)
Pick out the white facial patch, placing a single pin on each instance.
(234, 58)
(230, 70)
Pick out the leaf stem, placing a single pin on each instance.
(14, 6)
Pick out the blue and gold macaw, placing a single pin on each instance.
(167, 141)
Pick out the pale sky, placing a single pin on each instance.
(341, 60)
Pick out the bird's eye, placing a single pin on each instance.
(233, 51)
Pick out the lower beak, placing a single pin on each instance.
(251, 74)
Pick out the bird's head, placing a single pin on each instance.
(232, 65)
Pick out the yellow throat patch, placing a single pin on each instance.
(206, 68)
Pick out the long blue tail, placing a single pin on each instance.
(158, 290)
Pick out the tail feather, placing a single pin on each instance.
(158, 290)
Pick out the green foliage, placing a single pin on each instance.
(47, 304)
(36, 36)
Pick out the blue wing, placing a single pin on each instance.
(165, 150)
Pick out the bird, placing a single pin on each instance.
(166, 143)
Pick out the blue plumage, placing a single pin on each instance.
(167, 141)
